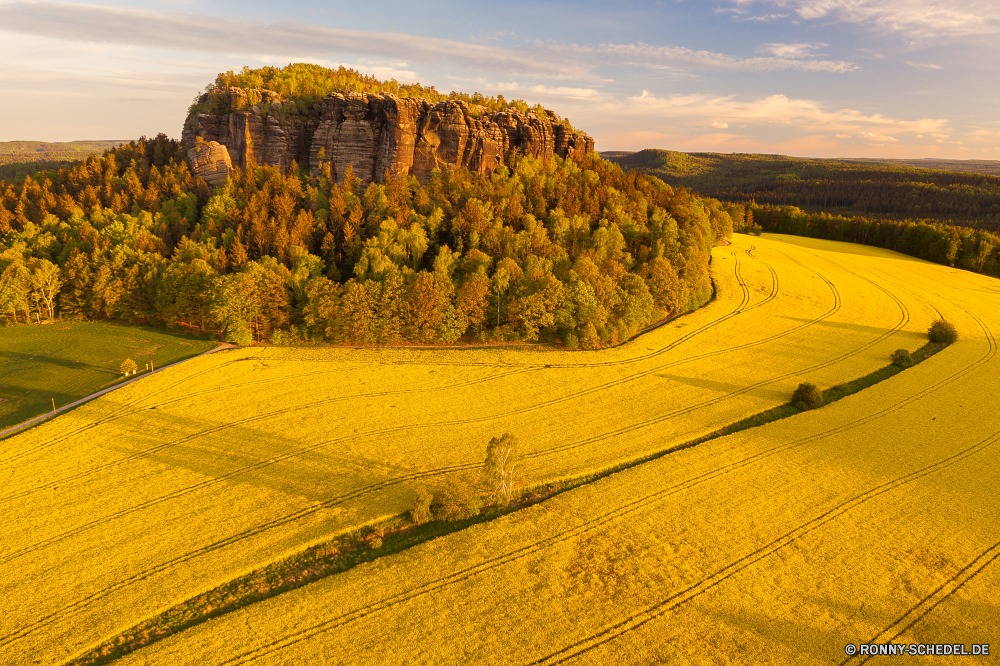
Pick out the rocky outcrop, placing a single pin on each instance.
(211, 161)
(375, 134)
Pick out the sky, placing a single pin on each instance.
(812, 78)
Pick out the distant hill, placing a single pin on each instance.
(29, 157)
(961, 192)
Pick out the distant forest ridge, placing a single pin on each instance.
(879, 189)
(30, 157)
(30, 151)
(989, 167)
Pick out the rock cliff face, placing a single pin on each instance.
(211, 161)
(375, 133)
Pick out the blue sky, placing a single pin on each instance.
(828, 78)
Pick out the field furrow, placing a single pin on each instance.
(176, 484)
(870, 520)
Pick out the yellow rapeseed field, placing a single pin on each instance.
(873, 520)
(185, 480)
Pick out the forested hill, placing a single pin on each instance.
(846, 187)
(307, 84)
(560, 249)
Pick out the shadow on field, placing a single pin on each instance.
(21, 403)
(260, 456)
(798, 638)
(842, 247)
(50, 360)
(861, 328)
(724, 387)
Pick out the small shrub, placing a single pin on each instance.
(902, 358)
(841, 388)
(942, 331)
(375, 542)
(458, 499)
(421, 511)
(570, 340)
(807, 396)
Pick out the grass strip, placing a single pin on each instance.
(398, 534)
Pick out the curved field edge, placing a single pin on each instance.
(69, 617)
(398, 534)
(883, 475)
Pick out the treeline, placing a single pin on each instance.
(845, 187)
(306, 84)
(962, 247)
(581, 252)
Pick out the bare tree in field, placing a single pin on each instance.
(503, 460)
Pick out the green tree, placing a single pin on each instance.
(421, 511)
(184, 292)
(902, 358)
(248, 304)
(807, 396)
(44, 283)
(425, 309)
(457, 499)
(942, 331)
(14, 285)
(74, 301)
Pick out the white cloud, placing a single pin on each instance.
(562, 91)
(779, 110)
(917, 19)
(796, 50)
(192, 32)
(718, 125)
(923, 65)
(645, 53)
(871, 136)
(843, 136)
(271, 40)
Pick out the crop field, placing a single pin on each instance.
(187, 479)
(66, 361)
(872, 520)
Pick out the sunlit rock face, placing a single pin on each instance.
(211, 161)
(376, 134)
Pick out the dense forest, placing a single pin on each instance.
(584, 253)
(841, 187)
(306, 84)
(962, 247)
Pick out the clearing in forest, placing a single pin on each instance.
(68, 360)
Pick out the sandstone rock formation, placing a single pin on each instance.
(375, 133)
(211, 161)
